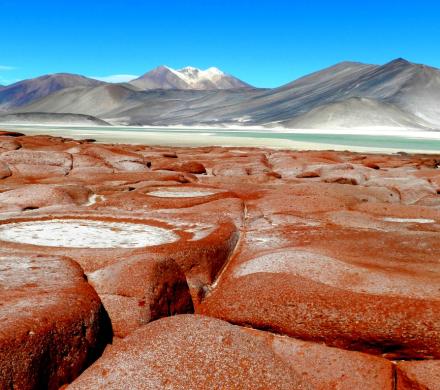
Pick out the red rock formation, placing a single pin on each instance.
(37, 164)
(4, 170)
(149, 287)
(8, 143)
(332, 247)
(419, 375)
(118, 158)
(36, 196)
(178, 166)
(10, 133)
(195, 352)
(52, 322)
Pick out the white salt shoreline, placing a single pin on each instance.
(375, 131)
(153, 136)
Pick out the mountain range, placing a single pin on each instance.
(399, 94)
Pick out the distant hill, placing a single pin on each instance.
(44, 118)
(95, 101)
(164, 77)
(28, 91)
(399, 94)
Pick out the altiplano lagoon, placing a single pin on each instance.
(384, 141)
(203, 195)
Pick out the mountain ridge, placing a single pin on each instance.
(26, 91)
(397, 94)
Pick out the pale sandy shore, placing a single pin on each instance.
(204, 137)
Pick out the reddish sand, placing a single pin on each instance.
(305, 269)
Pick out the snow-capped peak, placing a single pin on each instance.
(214, 70)
(189, 69)
(193, 76)
(188, 78)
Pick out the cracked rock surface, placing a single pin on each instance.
(131, 266)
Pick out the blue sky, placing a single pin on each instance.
(266, 43)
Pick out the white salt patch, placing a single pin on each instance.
(338, 274)
(86, 234)
(265, 239)
(94, 199)
(174, 193)
(409, 220)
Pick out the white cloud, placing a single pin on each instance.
(6, 67)
(116, 78)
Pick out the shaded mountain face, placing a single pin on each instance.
(399, 94)
(164, 77)
(98, 101)
(356, 113)
(122, 105)
(418, 90)
(28, 91)
(413, 88)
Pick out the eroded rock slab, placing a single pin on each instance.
(30, 163)
(418, 375)
(327, 288)
(52, 322)
(141, 289)
(37, 196)
(4, 170)
(195, 352)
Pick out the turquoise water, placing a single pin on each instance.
(393, 142)
(373, 141)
